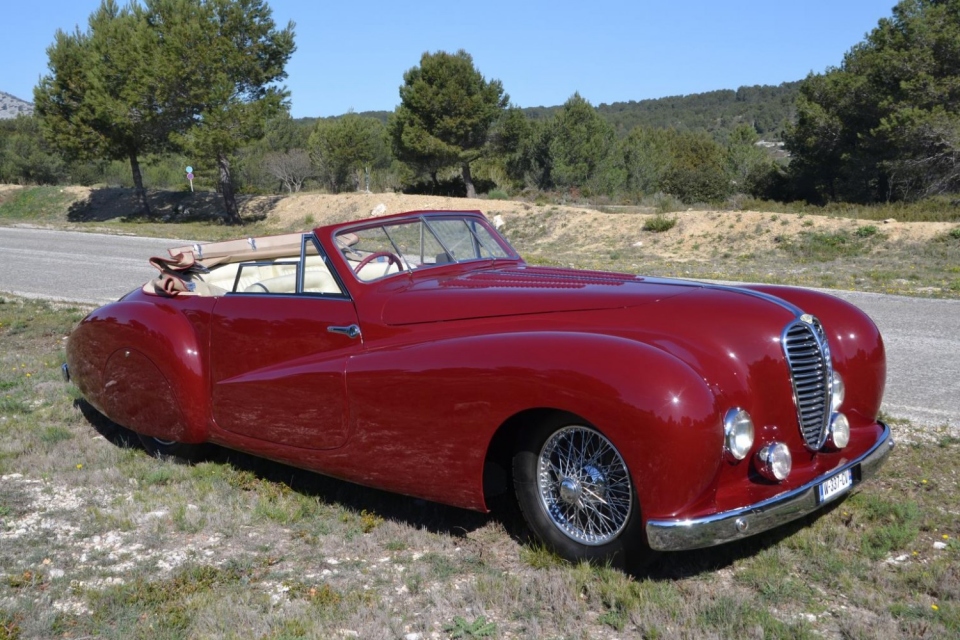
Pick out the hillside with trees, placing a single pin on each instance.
(766, 108)
(884, 126)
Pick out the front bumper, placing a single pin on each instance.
(678, 535)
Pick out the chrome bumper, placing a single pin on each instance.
(677, 535)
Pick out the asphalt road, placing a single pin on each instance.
(75, 267)
(922, 338)
(922, 335)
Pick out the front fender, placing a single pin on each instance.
(139, 363)
(450, 395)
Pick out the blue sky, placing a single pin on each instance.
(352, 55)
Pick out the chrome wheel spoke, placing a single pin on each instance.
(584, 485)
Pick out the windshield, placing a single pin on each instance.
(414, 243)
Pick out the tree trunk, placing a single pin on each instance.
(468, 181)
(138, 184)
(226, 187)
(436, 183)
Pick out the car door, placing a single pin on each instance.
(278, 358)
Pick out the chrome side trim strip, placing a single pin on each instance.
(678, 535)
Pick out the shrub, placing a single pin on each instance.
(497, 194)
(659, 223)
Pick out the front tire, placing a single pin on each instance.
(191, 453)
(576, 494)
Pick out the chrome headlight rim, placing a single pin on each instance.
(774, 461)
(838, 391)
(738, 434)
(838, 435)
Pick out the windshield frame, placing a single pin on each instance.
(376, 237)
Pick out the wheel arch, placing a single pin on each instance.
(140, 364)
(498, 462)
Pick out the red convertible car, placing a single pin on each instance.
(419, 353)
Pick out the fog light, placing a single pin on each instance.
(774, 461)
(839, 431)
(838, 391)
(738, 434)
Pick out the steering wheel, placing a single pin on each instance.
(379, 254)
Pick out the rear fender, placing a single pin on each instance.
(139, 363)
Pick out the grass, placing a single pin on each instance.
(36, 204)
(239, 546)
(830, 246)
(934, 209)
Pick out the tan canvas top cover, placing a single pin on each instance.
(211, 254)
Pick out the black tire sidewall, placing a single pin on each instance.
(181, 451)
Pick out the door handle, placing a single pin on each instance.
(352, 331)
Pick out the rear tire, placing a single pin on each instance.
(575, 492)
(158, 448)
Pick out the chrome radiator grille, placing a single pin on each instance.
(808, 355)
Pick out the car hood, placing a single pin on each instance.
(522, 290)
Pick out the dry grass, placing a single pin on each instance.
(97, 539)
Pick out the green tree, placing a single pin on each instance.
(446, 111)
(582, 147)
(225, 58)
(748, 164)
(885, 125)
(523, 146)
(101, 98)
(690, 165)
(282, 133)
(698, 171)
(344, 150)
(646, 157)
(267, 165)
(198, 74)
(25, 157)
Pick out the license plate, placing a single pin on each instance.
(833, 487)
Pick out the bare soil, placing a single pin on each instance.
(739, 231)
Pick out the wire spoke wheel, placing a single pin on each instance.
(584, 486)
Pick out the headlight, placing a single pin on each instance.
(838, 390)
(774, 461)
(839, 431)
(738, 433)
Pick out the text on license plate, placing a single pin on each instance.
(832, 487)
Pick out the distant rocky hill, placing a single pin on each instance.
(12, 106)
